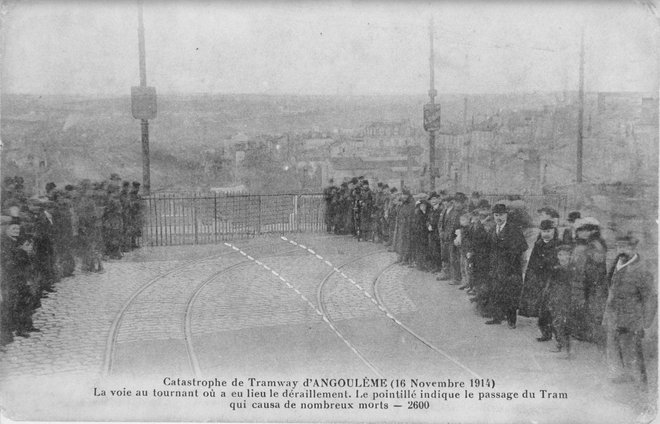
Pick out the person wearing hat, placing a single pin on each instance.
(382, 206)
(44, 230)
(569, 235)
(479, 258)
(329, 214)
(448, 224)
(548, 213)
(420, 235)
(507, 246)
(564, 297)
(542, 262)
(16, 308)
(392, 211)
(404, 223)
(630, 308)
(588, 260)
(435, 243)
(366, 200)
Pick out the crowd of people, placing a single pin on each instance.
(45, 238)
(481, 248)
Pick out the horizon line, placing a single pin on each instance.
(199, 93)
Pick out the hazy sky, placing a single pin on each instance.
(302, 47)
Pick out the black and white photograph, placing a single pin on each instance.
(349, 211)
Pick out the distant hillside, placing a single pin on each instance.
(61, 138)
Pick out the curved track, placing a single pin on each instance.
(410, 331)
(187, 322)
(387, 313)
(324, 310)
(111, 343)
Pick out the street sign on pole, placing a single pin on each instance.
(143, 102)
(431, 117)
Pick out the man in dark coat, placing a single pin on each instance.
(420, 237)
(16, 312)
(507, 245)
(435, 243)
(328, 196)
(404, 222)
(568, 237)
(44, 236)
(630, 308)
(366, 211)
(540, 270)
(480, 259)
(451, 221)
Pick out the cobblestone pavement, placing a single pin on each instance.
(258, 313)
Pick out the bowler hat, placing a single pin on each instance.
(551, 212)
(460, 197)
(546, 224)
(500, 208)
(573, 216)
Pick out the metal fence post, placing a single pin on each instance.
(194, 211)
(259, 216)
(215, 216)
(296, 212)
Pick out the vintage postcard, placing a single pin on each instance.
(350, 211)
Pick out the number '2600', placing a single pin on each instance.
(418, 404)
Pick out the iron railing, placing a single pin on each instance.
(171, 219)
(192, 218)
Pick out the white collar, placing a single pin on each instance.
(620, 265)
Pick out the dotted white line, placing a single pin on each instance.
(346, 277)
(302, 296)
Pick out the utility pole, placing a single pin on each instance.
(432, 94)
(144, 123)
(578, 177)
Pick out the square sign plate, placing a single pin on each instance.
(143, 102)
(431, 117)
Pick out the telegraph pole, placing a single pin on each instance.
(432, 94)
(144, 123)
(578, 177)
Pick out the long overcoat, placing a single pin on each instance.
(506, 251)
